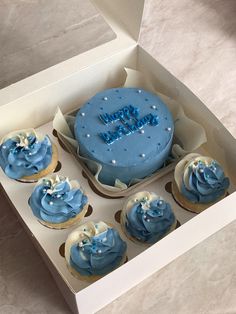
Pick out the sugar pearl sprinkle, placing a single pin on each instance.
(105, 98)
(82, 114)
(168, 129)
(113, 161)
(50, 203)
(4, 147)
(142, 155)
(87, 135)
(142, 131)
(153, 107)
(139, 91)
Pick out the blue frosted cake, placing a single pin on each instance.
(128, 131)
(147, 218)
(94, 249)
(199, 182)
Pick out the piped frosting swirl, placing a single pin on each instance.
(24, 153)
(56, 199)
(201, 179)
(147, 217)
(94, 249)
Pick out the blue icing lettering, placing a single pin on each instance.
(126, 129)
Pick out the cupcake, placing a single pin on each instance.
(57, 202)
(199, 182)
(146, 218)
(94, 249)
(27, 156)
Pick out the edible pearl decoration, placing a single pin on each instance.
(51, 203)
(82, 114)
(4, 147)
(139, 91)
(169, 129)
(105, 98)
(153, 107)
(142, 131)
(142, 155)
(113, 161)
(88, 135)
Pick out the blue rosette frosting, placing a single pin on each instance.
(56, 200)
(24, 153)
(94, 249)
(201, 179)
(147, 218)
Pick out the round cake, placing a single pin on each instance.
(128, 131)
(147, 218)
(199, 182)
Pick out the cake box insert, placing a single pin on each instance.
(68, 85)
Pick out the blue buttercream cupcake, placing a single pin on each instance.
(94, 249)
(57, 202)
(199, 182)
(147, 218)
(27, 156)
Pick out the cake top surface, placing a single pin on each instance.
(124, 126)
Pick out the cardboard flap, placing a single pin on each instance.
(122, 15)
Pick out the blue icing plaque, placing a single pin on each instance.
(128, 131)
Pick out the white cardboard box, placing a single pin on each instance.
(32, 102)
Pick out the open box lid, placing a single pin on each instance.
(124, 17)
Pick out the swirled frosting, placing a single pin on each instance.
(55, 199)
(147, 217)
(94, 249)
(201, 179)
(24, 153)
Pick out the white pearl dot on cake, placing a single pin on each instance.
(4, 147)
(201, 170)
(168, 129)
(113, 161)
(144, 216)
(142, 155)
(153, 107)
(88, 135)
(51, 203)
(160, 202)
(139, 91)
(104, 239)
(148, 220)
(99, 251)
(30, 153)
(82, 114)
(142, 131)
(58, 195)
(105, 98)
